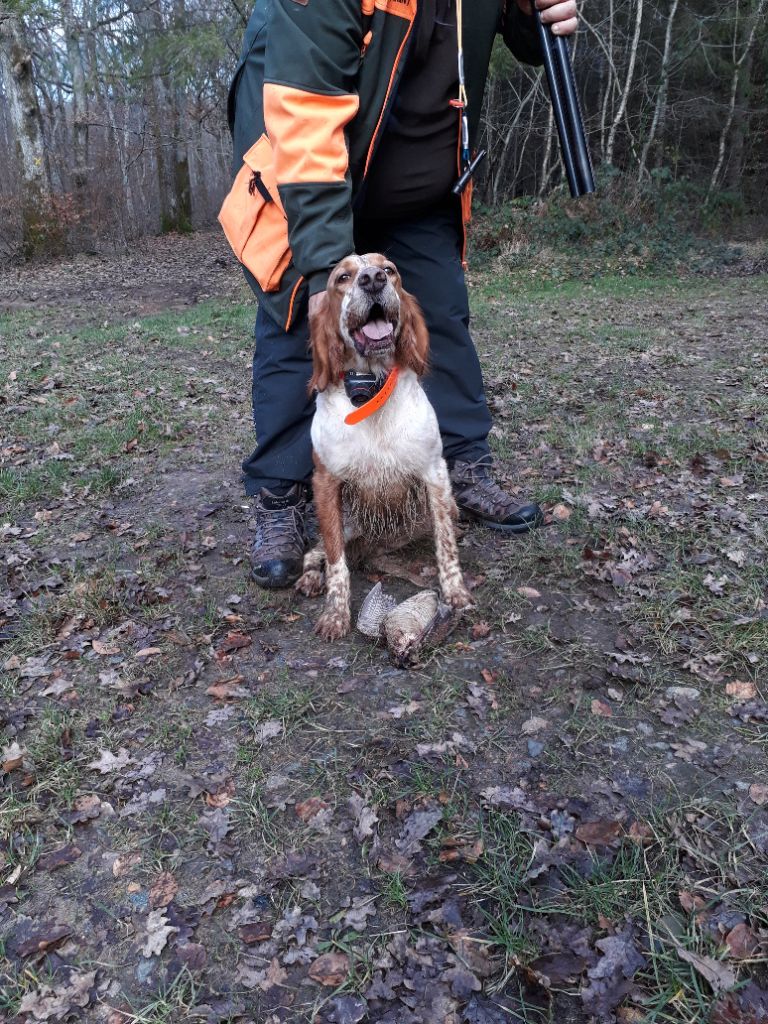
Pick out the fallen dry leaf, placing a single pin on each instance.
(459, 850)
(39, 940)
(12, 756)
(404, 710)
(610, 978)
(84, 808)
(533, 725)
(265, 979)
(720, 976)
(256, 932)
(267, 731)
(124, 863)
(740, 690)
(690, 902)
(687, 749)
(417, 827)
(560, 513)
(157, 934)
(758, 793)
(59, 858)
(223, 797)
(308, 809)
(163, 890)
(480, 630)
(54, 1004)
(529, 592)
(228, 689)
(742, 942)
(357, 916)
(601, 708)
(234, 642)
(105, 648)
(330, 969)
(347, 1010)
(598, 833)
(108, 762)
(148, 652)
(629, 1015)
(641, 833)
(365, 818)
(505, 797)
(57, 688)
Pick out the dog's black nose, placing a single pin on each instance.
(372, 279)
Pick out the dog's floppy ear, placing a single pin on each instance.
(327, 348)
(413, 343)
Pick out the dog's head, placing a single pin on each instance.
(367, 321)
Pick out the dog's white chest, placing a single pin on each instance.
(401, 441)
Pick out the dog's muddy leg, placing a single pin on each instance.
(335, 620)
(311, 583)
(443, 509)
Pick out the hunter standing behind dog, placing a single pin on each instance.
(347, 124)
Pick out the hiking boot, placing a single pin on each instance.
(277, 554)
(479, 496)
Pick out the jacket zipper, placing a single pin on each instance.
(385, 105)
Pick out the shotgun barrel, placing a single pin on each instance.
(566, 109)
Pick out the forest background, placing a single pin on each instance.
(113, 122)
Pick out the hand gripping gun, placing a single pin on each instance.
(565, 107)
(567, 113)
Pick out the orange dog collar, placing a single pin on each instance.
(374, 404)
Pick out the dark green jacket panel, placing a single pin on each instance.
(317, 51)
(521, 35)
(245, 103)
(377, 84)
(481, 25)
(312, 48)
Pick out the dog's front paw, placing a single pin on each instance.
(311, 583)
(459, 597)
(333, 624)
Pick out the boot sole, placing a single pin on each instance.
(518, 530)
(269, 583)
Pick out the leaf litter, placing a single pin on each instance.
(506, 830)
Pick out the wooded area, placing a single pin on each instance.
(113, 115)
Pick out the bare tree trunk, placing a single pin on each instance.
(489, 106)
(182, 181)
(72, 35)
(608, 72)
(546, 169)
(740, 127)
(660, 107)
(509, 137)
(609, 149)
(127, 209)
(200, 190)
(752, 21)
(609, 86)
(150, 25)
(17, 77)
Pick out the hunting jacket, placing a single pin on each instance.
(307, 106)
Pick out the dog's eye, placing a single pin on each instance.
(342, 277)
(389, 270)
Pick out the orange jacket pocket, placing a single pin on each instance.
(254, 220)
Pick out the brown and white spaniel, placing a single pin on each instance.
(379, 472)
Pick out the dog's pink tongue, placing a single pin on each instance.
(375, 330)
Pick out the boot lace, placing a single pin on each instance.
(478, 488)
(279, 532)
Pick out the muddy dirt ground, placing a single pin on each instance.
(560, 814)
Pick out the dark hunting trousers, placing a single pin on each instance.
(427, 252)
